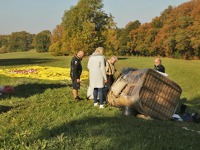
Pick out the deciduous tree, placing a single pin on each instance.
(42, 41)
(20, 41)
(84, 25)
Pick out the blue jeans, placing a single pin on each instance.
(98, 91)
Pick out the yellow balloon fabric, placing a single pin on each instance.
(39, 72)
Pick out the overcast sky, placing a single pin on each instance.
(34, 16)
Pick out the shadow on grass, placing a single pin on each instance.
(192, 105)
(23, 61)
(119, 132)
(195, 102)
(122, 58)
(26, 90)
(4, 109)
(88, 132)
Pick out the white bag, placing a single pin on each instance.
(90, 93)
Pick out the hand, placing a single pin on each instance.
(78, 80)
(105, 81)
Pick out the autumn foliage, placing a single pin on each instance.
(175, 33)
(85, 26)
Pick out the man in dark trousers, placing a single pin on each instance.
(158, 65)
(75, 73)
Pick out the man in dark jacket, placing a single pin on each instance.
(75, 73)
(158, 65)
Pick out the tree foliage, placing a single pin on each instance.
(20, 41)
(3, 43)
(124, 39)
(56, 41)
(42, 41)
(17, 41)
(173, 34)
(84, 27)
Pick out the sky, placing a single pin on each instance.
(34, 16)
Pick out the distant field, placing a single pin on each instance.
(41, 114)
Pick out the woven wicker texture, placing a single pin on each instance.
(148, 92)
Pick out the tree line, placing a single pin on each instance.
(24, 41)
(175, 33)
(85, 26)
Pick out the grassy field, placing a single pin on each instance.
(42, 114)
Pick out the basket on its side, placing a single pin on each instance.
(148, 92)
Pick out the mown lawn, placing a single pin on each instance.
(42, 114)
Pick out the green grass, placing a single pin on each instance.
(41, 114)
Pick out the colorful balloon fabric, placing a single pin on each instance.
(39, 72)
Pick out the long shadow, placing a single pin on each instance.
(89, 129)
(122, 58)
(121, 132)
(192, 105)
(195, 102)
(26, 90)
(4, 109)
(23, 61)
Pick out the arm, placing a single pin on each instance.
(88, 65)
(107, 67)
(103, 69)
(74, 67)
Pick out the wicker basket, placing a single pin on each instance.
(148, 92)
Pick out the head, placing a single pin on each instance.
(99, 50)
(157, 62)
(113, 59)
(80, 54)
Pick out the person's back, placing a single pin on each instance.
(96, 66)
(97, 74)
(95, 63)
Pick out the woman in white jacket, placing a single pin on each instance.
(97, 74)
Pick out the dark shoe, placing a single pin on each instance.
(78, 98)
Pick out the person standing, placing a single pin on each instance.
(110, 71)
(75, 73)
(158, 65)
(97, 74)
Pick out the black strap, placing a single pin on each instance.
(109, 68)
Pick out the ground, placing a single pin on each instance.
(42, 114)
